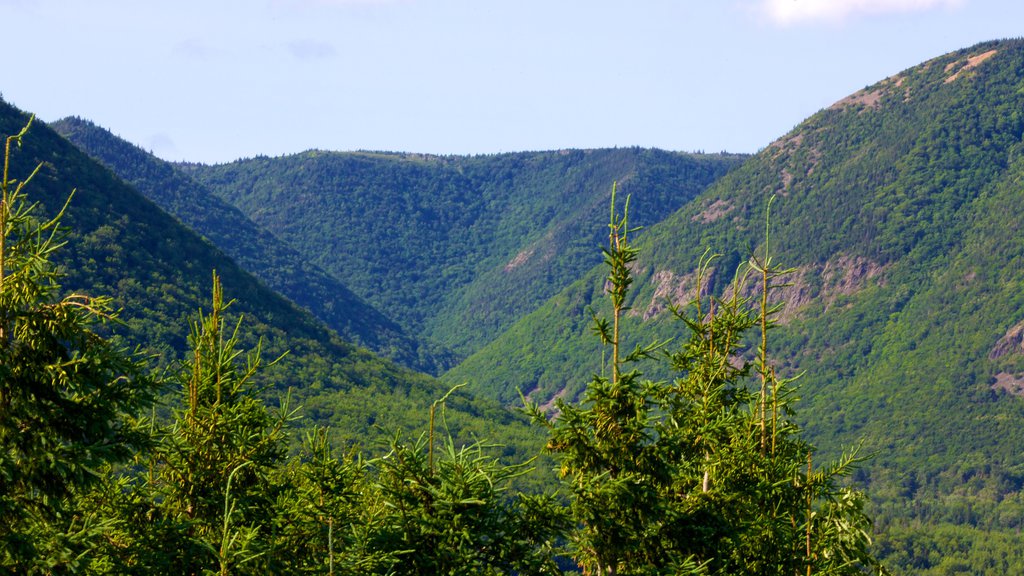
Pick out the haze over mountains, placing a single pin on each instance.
(899, 208)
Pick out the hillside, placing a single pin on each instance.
(899, 206)
(455, 248)
(255, 249)
(119, 243)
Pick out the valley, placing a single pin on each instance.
(391, 279)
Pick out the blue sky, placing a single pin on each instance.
(215, 80)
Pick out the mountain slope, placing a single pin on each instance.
(455, 248)
(121, 244)
(255, 249)
(900, 209)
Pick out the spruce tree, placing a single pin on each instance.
(211, 475)
(67, 394)
(707, 473)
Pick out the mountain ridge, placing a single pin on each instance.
(899, 208)
(255, 249)
(454, 247)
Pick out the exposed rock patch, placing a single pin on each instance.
(673, 290)
(787, 179)
(842, 275)
(814, 155)
(845, 275)
(788, 142)
(794, 294)
(1011, 343)
(866, 98)
(972, 62)
(900, 80)
(1010, 383)
(519, 259)
(785, 154)
(549, 406)
(714, 211)
(871, 99)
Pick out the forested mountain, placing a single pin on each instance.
(456, 248)
(255, 249)
(98, 479)
(119, 243)
(900, 209)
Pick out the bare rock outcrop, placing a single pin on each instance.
(1011, 343)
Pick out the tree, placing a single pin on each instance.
(209, 479)
(454, 515)
(706, 474)
(68, 395)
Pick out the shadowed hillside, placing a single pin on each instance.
(255, 249)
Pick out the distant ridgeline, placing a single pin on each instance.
(900, 208)
(453, 249)
(456, 248)
(115, 462)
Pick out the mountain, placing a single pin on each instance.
(455, 248)
(121, 244)
(255, 249)
(900, 209)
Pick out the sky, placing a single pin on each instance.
(216, 80)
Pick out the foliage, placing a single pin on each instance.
(701, 474)
(450, 515)
(157, 271)
(211, 471)
(917, 179)
(217, 493)
(67, 394)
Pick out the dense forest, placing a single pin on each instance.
(728, 392)
(255, 249)
(456, 248)
(122, 245)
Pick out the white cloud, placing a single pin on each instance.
(787, 12)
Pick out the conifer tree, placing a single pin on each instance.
(67, 394)
(329, 515)
(450, 511)
(211, 474)
(708, 473)
(610, 457)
